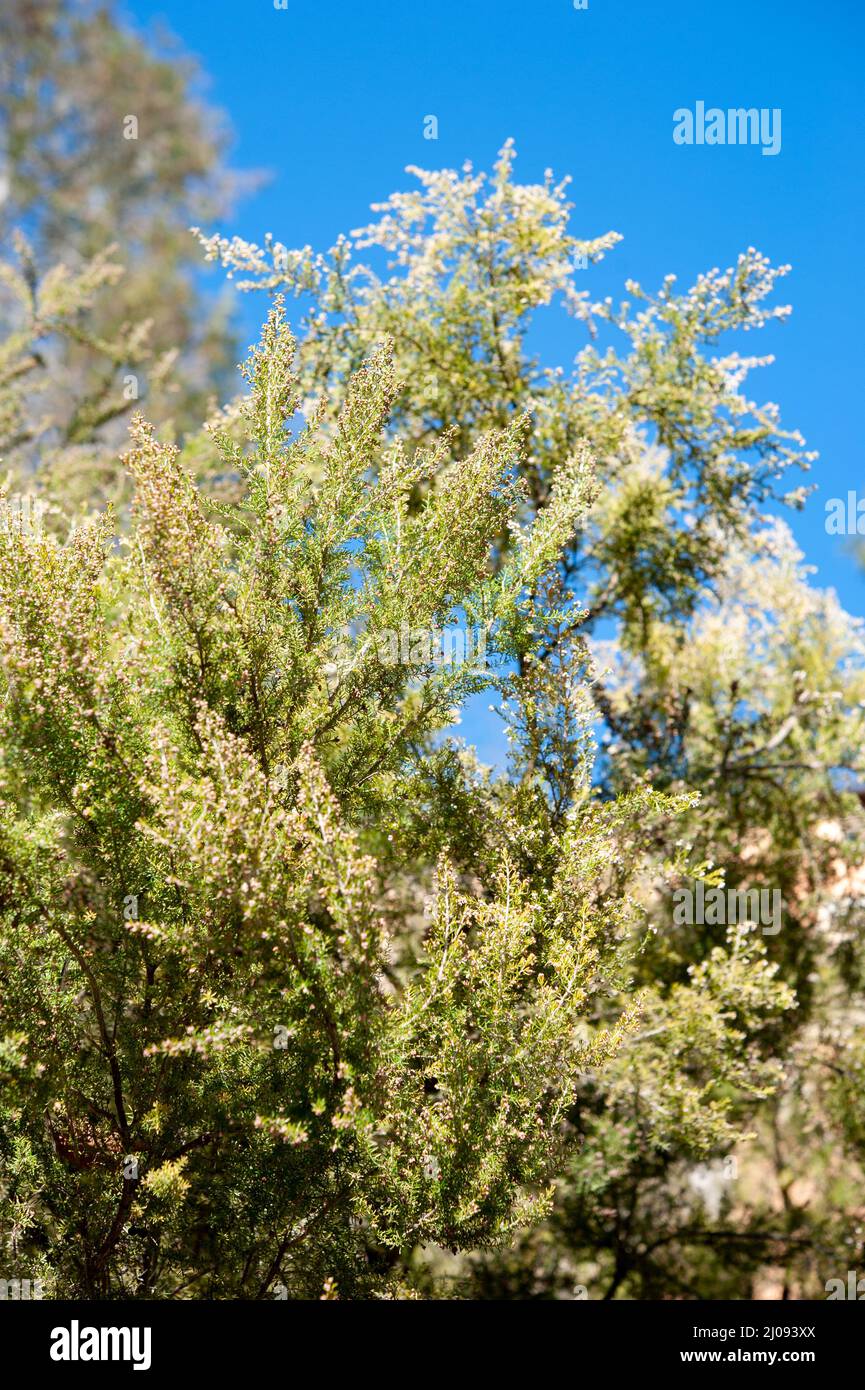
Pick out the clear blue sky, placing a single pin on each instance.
(330, 96)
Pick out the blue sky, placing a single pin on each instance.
(330, 96)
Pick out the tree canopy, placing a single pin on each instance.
(300, 998)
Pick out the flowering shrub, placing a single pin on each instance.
(229, 1062)
(298, 996)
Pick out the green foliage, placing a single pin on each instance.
(682, 624)
(297, 992)
(106, 156)
(295, 1087)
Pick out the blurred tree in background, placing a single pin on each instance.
(107, 155)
